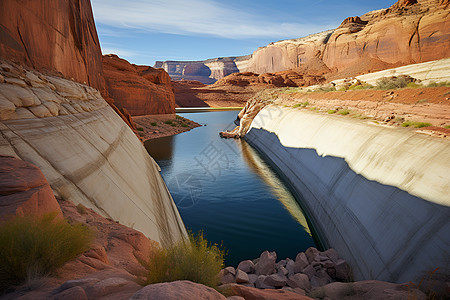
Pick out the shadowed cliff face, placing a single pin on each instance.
(141, 90)
(55, 36)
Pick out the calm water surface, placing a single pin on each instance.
(223, 187)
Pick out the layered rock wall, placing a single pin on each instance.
(86, 152)
(378, 195)
(141, 90)
(53, 36)
(406, 33)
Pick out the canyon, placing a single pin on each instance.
(69, 145)
(406, 33)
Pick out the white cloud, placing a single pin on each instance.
(119, 52)
(194, 17)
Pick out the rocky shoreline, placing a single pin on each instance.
(313, 274)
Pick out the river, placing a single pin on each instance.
(224, 188)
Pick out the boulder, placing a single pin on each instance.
(299, 281)
(311, 254)
(247, 266)
(259, 283)
(241, 276)
(275, 280)
(24, 190)
(177, 290)
(266, 263)
(301, 262)
(343, 271)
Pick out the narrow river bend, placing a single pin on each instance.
(223, 187)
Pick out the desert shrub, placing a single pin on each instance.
(184, 125)
(331, 111)
(168, 122)
(139, 129)
(154, 124)
(436, 84)
(303, 104)
(197, 261)
(363, 86)
(344, 112)
(81, 209)
(415, 124)
(413, 85)
(32, 247)
(325, 89)
(389, 83)
(448, 126)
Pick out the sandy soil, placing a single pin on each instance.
(159, 126)
(392, 107)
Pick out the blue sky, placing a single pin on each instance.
(144, 31)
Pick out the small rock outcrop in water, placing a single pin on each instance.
(312, 274)
(141, 90)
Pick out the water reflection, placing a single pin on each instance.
(258, 166)
(160, 148)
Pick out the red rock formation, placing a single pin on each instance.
(401, 35)
(57, 36)
(141, 90)
(24, 190)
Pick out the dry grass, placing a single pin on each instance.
(33, 247)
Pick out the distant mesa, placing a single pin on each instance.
(410, 31)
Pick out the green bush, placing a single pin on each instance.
(169, 122)
(139, 129)
(184, 125)
(197, 261)
(436, 84)
(415, 124)
(154, 124)
(303, 104)
(414, 85)
(344, 112)
(392, 83)
(33, 247)
(331, 111)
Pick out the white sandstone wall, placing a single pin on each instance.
(380, 196)
(85, 150)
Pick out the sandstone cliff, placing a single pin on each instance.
(411, 31)
(86, 152)
(55, 36)
(141, 90)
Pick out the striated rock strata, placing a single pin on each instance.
(411, 31)
(53, 36)
(87, 153)
(141, 90)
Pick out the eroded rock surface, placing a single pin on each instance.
(29, 31)
(87, 153)
(24, 191)
(141, 90)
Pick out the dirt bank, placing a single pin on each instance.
(155, 126)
